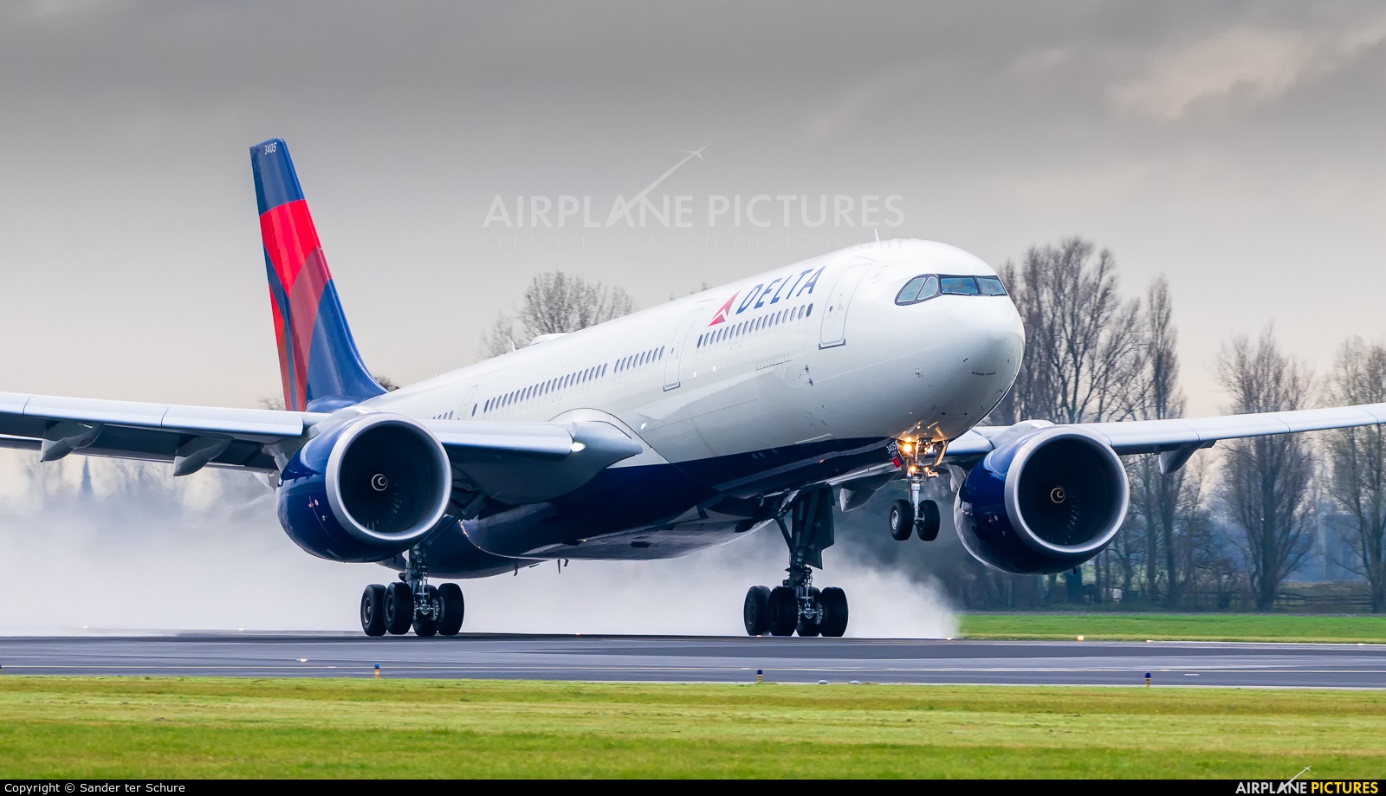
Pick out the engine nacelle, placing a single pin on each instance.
(365, 490)
(1045, 502)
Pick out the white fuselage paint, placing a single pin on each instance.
(769, 373)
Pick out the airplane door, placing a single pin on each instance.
(467, 405)
(834, 331)
(677, 344)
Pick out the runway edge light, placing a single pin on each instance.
(1147, 679)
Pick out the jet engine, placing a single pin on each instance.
(1045, 502)
(365, 490)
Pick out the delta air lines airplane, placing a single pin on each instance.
(778, 399)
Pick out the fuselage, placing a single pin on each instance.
(740, 393)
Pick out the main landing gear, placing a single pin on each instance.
(795, 605)
(921, 461)
(410, 601)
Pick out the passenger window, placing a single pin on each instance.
(958, 285)
(991, 286)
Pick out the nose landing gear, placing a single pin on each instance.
(795, 605)
(411, 601)
(920, 461)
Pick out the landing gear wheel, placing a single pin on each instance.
(451, 608)
(929, 521)
(901, 520)
(784, 611)
(808, 628)
(756, 611)
(834, 601)
(426, 625)
(373, 610)
(399, 608)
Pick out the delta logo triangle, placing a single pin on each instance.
(721, 316)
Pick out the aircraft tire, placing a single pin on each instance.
(834, 612)
(426, 626)
(784, 611)
(373, 610)
(901, 520)
(399, 608)
(755, 612)
(453, 609)
(929, 521)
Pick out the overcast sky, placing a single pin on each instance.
(1235, 147)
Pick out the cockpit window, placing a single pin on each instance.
(927, 286)
(958, 285)
(991, 286)
(910, 291)
(918, 289)
(930, 288)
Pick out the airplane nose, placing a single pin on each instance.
(1000, 337)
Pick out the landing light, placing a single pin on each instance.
(578, 447)
(906, 448)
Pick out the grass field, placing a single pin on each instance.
(1177, 627)
(126, 727)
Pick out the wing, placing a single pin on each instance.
(1178, 439)
(511, 462)
(192, 437)
(528, 462)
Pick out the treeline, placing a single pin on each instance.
(1228, 529)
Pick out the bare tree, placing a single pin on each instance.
(1357, 463)
(1267, 479)
(1167, 508)
(1084, 344)
(553, 303)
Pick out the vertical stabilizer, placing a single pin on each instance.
(318, 360)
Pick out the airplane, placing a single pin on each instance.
(781, 398)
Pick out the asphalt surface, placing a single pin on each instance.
(694, 659)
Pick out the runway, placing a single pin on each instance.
(696, 659)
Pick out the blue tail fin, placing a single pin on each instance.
(318, 359)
